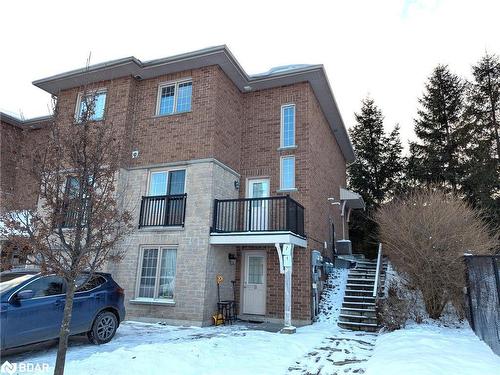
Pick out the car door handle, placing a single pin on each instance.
(59, 302)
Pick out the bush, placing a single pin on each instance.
(393, 311)
(425, 235)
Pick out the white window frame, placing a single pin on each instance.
(79, 102)
(282, 188)
(176, 91)
(153, 171)
(282, 126)
(160, 249)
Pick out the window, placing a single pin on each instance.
(288, 172)
(157, 273)
(288, 125)
(84, 283)
(46, 286)
(91, 107)
(71, 204)
(174, 98)
(167, 182)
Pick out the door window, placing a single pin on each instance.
(259, 189)
(46, 286)
(255, 269)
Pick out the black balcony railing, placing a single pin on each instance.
(258, 215)
(163, 211)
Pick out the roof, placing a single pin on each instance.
(32, 123)
(221, 56)
(353, 200)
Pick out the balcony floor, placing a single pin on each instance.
(257, 238)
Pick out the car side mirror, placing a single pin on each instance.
(25, 294)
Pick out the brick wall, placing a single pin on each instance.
(18, 189)
(327, 173)
(241, 130)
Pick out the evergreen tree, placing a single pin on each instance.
(395, 166)
(377, 172)
(481, 180)
(435, 157)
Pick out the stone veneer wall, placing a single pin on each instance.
(198, 262)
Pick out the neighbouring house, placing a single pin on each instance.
(222, 170)
(17, 190)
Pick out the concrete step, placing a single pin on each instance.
(369, 327)
(360, 280)
(359, 299)
(357, 319)
(355, 292)
(364, 276)
(362, 271)
(358, 305)
(359, 286)
(372, 313)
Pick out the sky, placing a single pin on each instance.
(382, 48)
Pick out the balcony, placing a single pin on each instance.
(163, 211)
(258, 221)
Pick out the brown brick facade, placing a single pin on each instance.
(241, 130)
(18, 190)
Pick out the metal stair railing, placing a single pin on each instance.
(376, 285)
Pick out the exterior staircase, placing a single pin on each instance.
(359, 309)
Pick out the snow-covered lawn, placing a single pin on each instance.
(428, 349)
(321, 348)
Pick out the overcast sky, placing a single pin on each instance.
(383, 48)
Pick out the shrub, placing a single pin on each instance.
(393, 310)
(425, 235)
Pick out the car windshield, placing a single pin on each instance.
(8, 281)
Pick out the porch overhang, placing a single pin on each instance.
(352, 199)
(257, 238)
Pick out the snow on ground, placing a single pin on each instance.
(430, 349)
(321, 348)
(140, 348)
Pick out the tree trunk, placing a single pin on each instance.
(64, 332)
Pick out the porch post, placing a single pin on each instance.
(287, 264)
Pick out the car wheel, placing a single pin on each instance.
(103, 328)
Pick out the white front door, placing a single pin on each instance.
(254, 283)
(259, 215)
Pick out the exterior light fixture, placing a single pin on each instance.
(232, 258)
(237, 185)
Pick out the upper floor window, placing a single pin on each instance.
(90, 107)
(174, 98)
(288, 125)
(287, 179)
(167, 182)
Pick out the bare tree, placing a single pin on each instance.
(80, 219)
(425, 235)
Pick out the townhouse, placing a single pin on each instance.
(230, 178)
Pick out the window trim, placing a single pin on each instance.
(79, 101)
(292, 188)
(157, 274)
(152, 171)
(282, 126)
(176, 84)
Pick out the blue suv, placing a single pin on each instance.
(32, 307)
